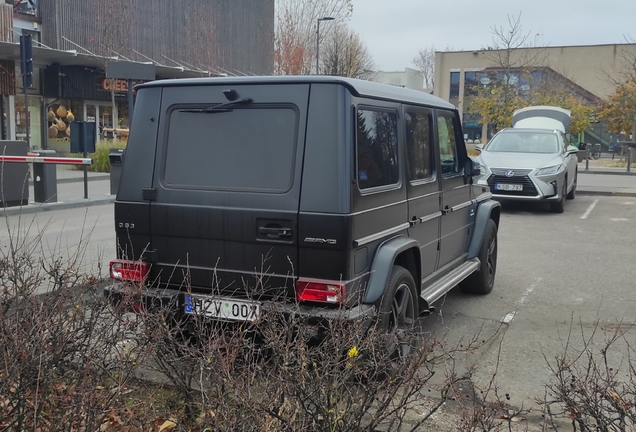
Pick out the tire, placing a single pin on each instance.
(572, 194)
(399, 314)
(559, 206)
(482, 281)
(596, 154)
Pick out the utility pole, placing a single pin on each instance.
(26, 63)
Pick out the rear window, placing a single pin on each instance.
(244, 149)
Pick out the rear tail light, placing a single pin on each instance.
(133, 271)
(320, 291)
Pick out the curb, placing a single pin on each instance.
(78, 179)
(631, 173)
(605, 193)
(33, 208)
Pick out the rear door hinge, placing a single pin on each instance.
(149, 194)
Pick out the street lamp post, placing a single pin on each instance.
(318, 41)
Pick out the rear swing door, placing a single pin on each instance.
(225, 192)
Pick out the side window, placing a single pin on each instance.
(418, 146)
(447, 144)
(566, 142)
(376, 148)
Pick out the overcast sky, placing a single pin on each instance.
(394, 30)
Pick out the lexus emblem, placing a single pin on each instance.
(510, 174)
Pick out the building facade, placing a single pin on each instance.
(408, 78)
(75, 39)
(591, 72)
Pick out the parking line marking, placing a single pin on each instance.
(511, 315)
(589, 209)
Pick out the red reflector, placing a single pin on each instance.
(320, 291)
(138, 307)
(134, 271)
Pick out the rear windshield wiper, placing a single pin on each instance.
(224, 107)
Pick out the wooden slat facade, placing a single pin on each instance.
(223, 35)
(6, 23)
(7, 77)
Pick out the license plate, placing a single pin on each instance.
(508, 187)
(223, 308)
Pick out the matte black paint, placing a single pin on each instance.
(243, 243)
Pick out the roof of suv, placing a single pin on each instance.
(356, 86)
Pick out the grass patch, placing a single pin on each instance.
(101, 163)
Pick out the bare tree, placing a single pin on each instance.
(425, 62)
(497, 100)
(295, 38)
(620, 110)
(345, 54)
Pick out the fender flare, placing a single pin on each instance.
(485, 211)
(383, 265)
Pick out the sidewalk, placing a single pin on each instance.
(70, 188)
(602, 180)
(70, 192)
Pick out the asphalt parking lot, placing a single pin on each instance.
(553, 270)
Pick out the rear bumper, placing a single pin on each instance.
(174, 301)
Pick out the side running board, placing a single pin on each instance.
(440, 287)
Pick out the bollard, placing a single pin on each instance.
(14, 185)
(45, 179)
(116, 158)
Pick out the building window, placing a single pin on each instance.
(376, 144)
(454, 88)
(471, 83)
(35, 123)
(472, 126)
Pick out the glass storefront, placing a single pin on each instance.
(59, 116)
(122, 115)
(35, 124)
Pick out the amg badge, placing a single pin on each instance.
(319, 240)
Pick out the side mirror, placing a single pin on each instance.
(479, 147)
(472, 168)
(571, 150)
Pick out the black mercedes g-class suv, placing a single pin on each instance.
(333, 195)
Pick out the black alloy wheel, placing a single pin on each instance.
(399, 313)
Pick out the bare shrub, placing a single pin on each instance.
(287, 372)
(60, 365)
(594, 385)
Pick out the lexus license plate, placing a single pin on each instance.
(508, 187)
(222, 308)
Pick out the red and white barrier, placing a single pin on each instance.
(47, 160)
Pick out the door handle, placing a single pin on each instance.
(275, 232)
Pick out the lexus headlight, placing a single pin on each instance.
(549, 170)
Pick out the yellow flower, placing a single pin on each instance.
(353, 352)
